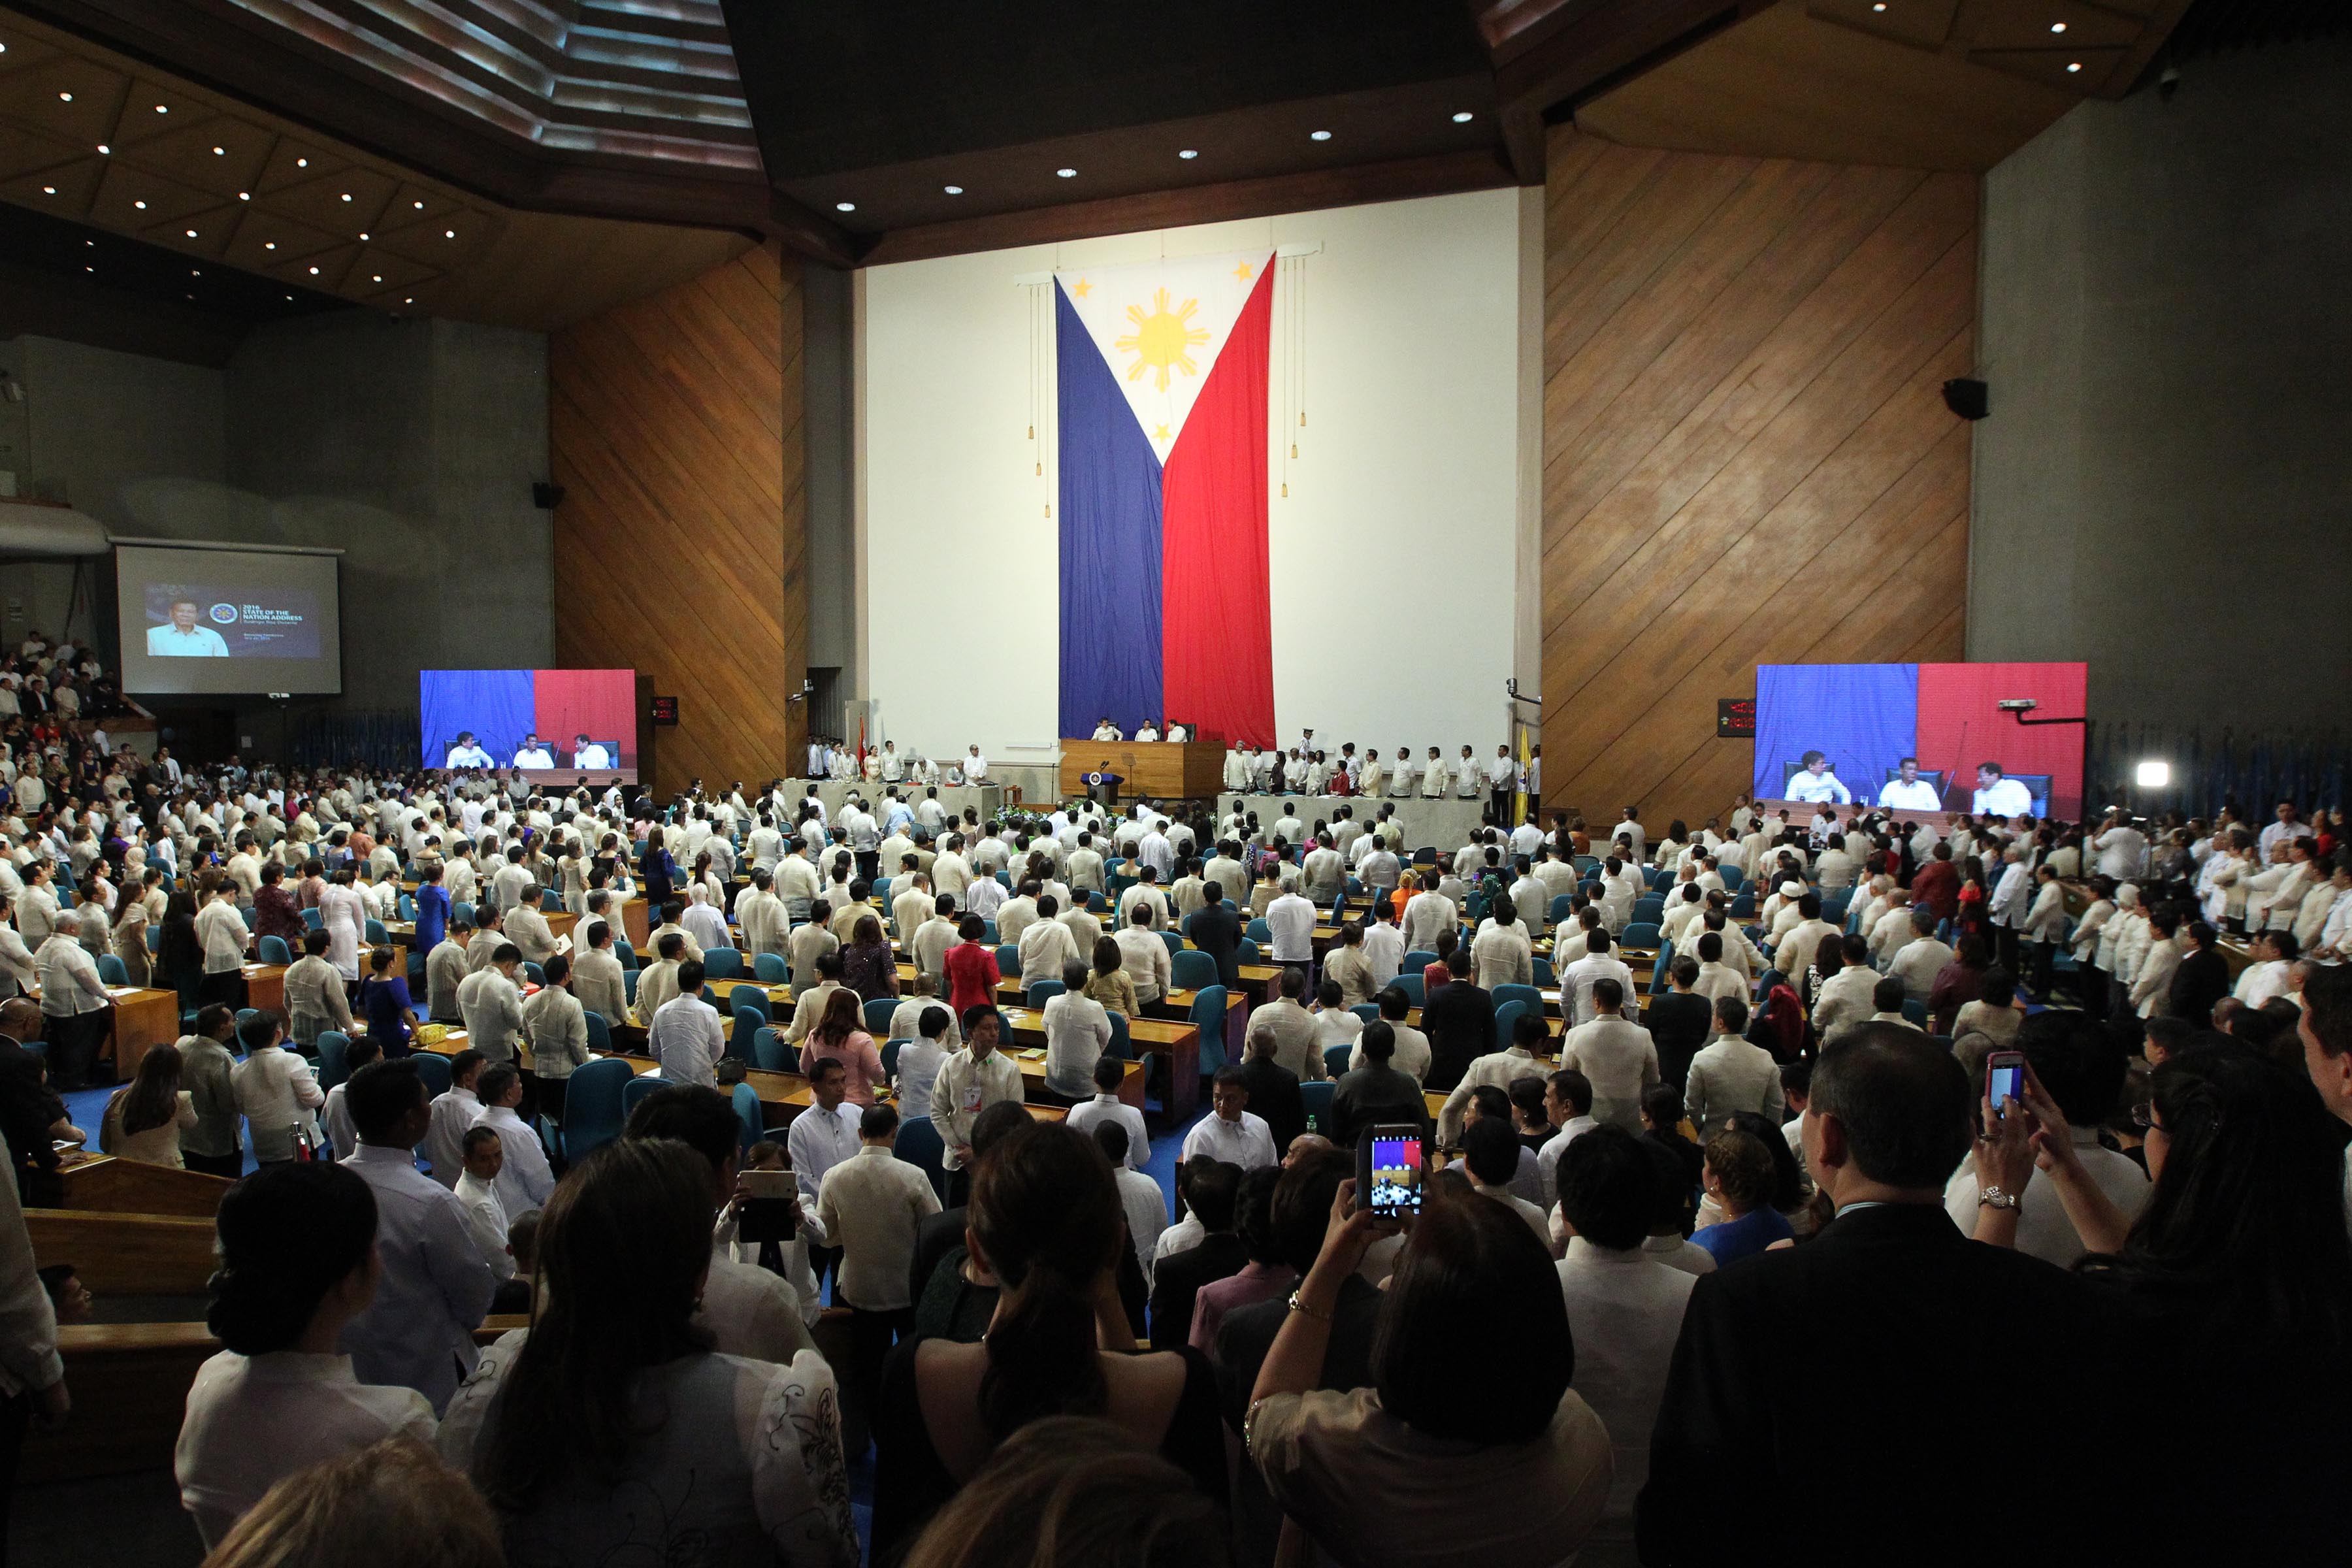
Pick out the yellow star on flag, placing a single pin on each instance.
(1083, 290)
(1160, 434)
(1243, 271)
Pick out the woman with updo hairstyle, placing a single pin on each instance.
(296, 1249)
(1046, 1221)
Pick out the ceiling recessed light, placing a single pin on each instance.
(300, 164)
(2074, 66)
(89, 269)
(192, 234)
(48, 190)
(195, 272)
(65, 98)
(364, 237)
(102, 147)
(2057, 26)
(192, 296)
(314, 272)
(1189, 152)
(409, 300)
(347, 196)
(141, 205)
(244, 195)
(94, 244)
(953, 190)
(160, 109)
(268, 244)
(845, 207)
(289, 299)
(1318, 136)
(449, 234)
(1880, 6)
(1067, 173)
(220, 152)
(1462, 117)
(418, 205)
(379, 277)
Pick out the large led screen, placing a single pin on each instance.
(557, 721)
(1922, 737)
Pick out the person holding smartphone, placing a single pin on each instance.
(1388, 1473)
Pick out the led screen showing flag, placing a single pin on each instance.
(1166, 613)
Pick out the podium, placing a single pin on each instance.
(1169, 769)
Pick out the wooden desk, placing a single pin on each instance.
(1188, 770)
(141, 1016)
(265, 987)
(129, 1383)
(1179, 1043)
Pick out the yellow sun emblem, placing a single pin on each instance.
(1160, 339)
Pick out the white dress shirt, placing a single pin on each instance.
(486, 1221)
(687, 1037)
(253, 1421)
(1727, 1074)
(1290, 921)
(1919, 794)
(1628, 1311)
(433, 1288)
(1812, 788)
(278, 1094)
(964, 1088)
(1619, 1058)
(1111, 1107)
(817, 1141)
(1247, 1142)
(2006, 798)
(453, 1110)
(526, 1180)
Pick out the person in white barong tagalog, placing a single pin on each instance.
(587, 754)
(1815, 783)
(1909, 792)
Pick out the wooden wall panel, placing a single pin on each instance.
(1747, 457)
(675, 430)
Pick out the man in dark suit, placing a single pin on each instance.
(1216, 929)
(1215, 1189)
(30, 1110)
(1459, 1019)
(1375, 1093)
(2203, 978)
(1880, 1371)
(1272, 1090)
(1679, 1020)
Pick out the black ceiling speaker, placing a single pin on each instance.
(1966, 398)
(546, 497)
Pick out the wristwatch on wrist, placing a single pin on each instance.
(1298, 1304)
(1994, 1198)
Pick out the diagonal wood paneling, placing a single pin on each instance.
(675, 430)
(1747, 456)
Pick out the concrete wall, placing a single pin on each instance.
(410, 445)
(2160, 487)
(827, 356)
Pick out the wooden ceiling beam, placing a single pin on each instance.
(1550, 52)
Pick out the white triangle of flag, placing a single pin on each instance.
(1161, 326)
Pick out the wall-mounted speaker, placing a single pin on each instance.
(1968, 399)
(546, 497)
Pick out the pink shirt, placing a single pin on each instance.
(858, 1058)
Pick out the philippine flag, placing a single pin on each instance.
(1166, 612)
